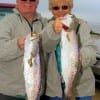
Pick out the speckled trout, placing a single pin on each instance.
(69, 53)
(32, 69)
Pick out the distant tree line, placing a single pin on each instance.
(92, 32)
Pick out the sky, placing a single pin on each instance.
(88, 10)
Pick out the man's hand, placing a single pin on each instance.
(21, 42)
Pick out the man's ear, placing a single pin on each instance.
(37, 1)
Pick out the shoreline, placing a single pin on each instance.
(95, 36)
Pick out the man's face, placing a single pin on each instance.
(27, 6)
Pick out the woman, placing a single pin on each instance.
(84, 87)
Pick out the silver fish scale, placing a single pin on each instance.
(32, 68)
(69, 54)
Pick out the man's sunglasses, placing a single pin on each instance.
(29, 0)
(63, 7)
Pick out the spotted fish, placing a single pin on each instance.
(69, 53)
(32, 68)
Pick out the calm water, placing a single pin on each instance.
(97, 41)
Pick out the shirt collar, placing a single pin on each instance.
(16, 11)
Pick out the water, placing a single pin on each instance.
(95, 27)
(97, 41)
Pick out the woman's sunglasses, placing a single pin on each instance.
(29, 0)
(63, 7)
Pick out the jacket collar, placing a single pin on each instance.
(17, 12)
(75, 19)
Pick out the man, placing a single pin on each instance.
(13, 29)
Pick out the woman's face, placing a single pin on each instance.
(27, 6)
(60, 8)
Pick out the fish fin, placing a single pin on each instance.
(68, 37)
(30, 62)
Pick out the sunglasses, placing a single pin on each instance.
(63, 7)
(29, 0)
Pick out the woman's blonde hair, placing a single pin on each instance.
(53, 2)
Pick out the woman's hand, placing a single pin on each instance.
(57, 25)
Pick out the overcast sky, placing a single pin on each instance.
(85, 8)
(89, 10)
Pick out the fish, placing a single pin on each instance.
(32, 67)
(69, 53)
